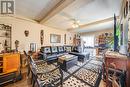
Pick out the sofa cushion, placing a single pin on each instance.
(80, 55)
(60, 49)
(54, 49)
(46, 50)
(77, 54)
(77, 49)
(68, 48)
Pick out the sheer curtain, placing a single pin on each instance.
(88, 41)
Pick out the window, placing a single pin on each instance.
(88, 41)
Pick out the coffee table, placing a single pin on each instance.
(67, 61)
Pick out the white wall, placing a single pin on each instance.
(19, 26)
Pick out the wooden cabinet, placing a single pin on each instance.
(1, 64)
(128, 73)
(9, 62)
(122, 63)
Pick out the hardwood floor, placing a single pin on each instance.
(25, 82)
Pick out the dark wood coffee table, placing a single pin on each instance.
(67, 61)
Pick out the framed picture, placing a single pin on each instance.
(42, 37)
(64, 38)
(54, 38)
(33, 47)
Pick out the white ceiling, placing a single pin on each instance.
(34, 9)
(98, 27)
(86, 11)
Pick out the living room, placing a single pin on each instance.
(60, 43)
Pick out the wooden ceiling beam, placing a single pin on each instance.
(95, 23)
(58, 7)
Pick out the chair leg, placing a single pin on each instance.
(28, 72)
(33, 83)
(61, 82)
(32, 78)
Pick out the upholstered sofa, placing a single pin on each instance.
(53, 52)
(82, 56)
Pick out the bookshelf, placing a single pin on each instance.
(77, 40)
(5, 36)
(102, 42)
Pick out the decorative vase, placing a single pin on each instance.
(16, 45)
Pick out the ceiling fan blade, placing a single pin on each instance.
(66, 15)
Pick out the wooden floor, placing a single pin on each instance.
(25, 82)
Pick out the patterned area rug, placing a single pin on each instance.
(82, 74)
(96, 62)
(87, 74)
(74, 82)
(82, 63)
(73, 69)
(92, 67)
(65, 74)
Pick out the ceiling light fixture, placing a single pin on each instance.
(75, 24)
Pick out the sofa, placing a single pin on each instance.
(82, 56)
(53, 52)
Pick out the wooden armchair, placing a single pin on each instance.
(114, 77)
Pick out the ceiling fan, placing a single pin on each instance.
(75, 21)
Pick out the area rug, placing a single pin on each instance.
(93, 67)
(65, 74)
(82, 74)
(81, 63)
(87, 76)
(96, 62)
(74, 82)
(73, 69)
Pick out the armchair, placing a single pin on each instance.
(46, 75)
(114, 76)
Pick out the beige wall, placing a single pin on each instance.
(19, 26)
(96, 32)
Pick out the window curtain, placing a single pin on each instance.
(88, 41)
